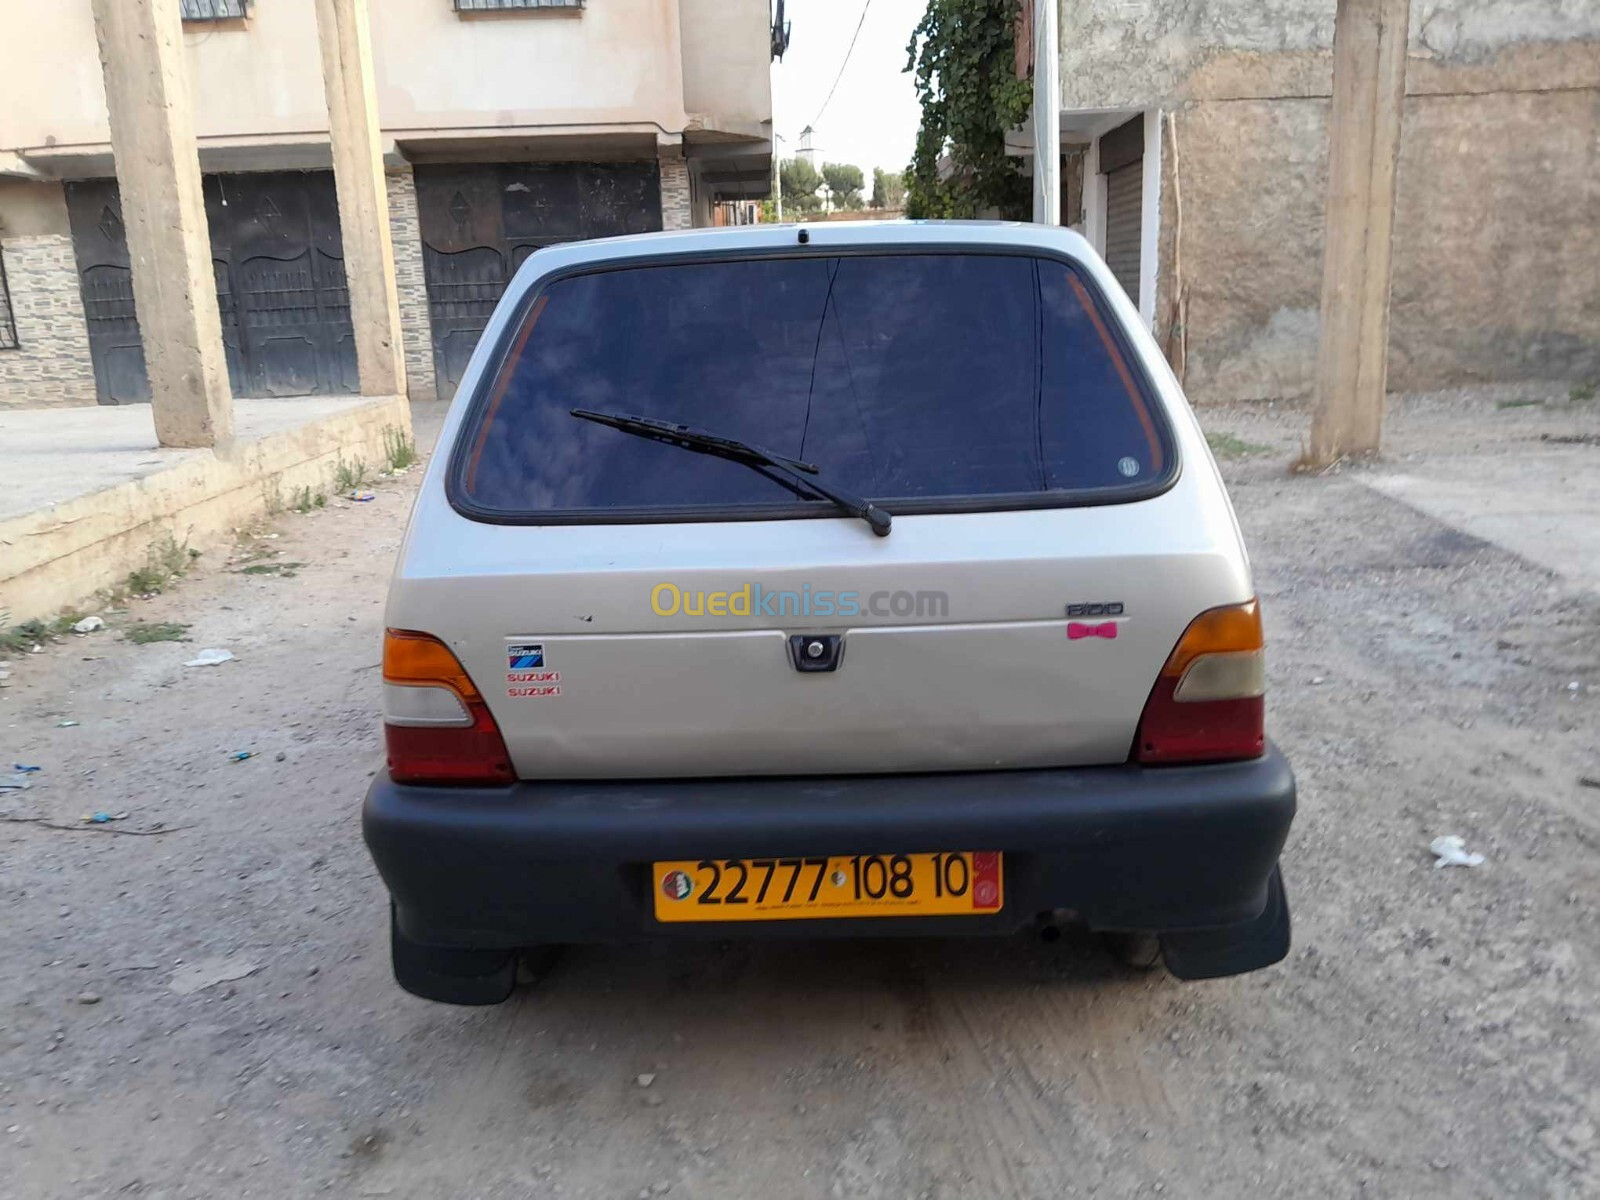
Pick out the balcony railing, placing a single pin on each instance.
(213, 10)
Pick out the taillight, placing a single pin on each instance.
(1207, 705)
(435, 722)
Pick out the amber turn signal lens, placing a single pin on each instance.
(420, 658)
(1217, 631)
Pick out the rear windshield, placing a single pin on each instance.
(926, 382)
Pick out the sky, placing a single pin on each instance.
(872, 119)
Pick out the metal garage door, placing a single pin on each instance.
(480, 222)
(1122, 163)
(1124, 206)
(281, 288)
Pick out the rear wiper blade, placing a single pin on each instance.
(686, 437)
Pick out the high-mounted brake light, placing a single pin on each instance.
(1207, 705)
(435, 722)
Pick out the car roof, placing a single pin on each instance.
(819, 237)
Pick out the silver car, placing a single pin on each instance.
(831, 581)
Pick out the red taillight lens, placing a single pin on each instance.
(438, 729)
(1207, 705)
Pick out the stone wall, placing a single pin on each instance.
(1499, 179)
(50, 366)
(416, 328)
(1130, 54)
(676, 212)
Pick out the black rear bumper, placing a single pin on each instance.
(1152, 849)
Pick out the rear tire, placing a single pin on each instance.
(450, 975)
(1136, 951)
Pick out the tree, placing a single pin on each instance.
(962, 55)
(888, 189)
(846, 181)
(799, 181)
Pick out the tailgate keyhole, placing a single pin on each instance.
(816, 651)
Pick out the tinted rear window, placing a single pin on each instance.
(932, 380)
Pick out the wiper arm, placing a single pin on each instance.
(686, 437)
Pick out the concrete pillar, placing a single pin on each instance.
(345, 35)
(158, 173)
(410, 277)
(1369, 85)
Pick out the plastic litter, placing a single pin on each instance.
(88, 625)
(363, 497)
(210, 658)
(241, 755)
(67, 724)
(209, 972)
(24, 769)
(1452, 852)
(103, 818)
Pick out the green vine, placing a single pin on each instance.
(962, 54)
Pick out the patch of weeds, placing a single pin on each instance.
(348, 476)
(146, 581)
(399, 451)
(1519, 404)
(166, 560)
(305, 500)
(21, 639)
(284, 569)
(142, 633)
(1582, 393)
(1226, 445)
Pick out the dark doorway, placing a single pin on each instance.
(280, 281)
(480, 222)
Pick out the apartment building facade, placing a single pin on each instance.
(508, 125)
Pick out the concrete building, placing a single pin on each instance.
(1221, 111)
(507, 125)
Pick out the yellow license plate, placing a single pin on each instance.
(967, 883)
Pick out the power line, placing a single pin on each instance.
(843, 65)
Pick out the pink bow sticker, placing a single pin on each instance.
(1106, 629)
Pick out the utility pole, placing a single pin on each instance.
(1369, 86)
(1046, 113)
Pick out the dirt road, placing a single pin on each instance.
(1433, 1033)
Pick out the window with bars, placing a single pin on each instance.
(213, 10)
(8, 320)
(472, 6)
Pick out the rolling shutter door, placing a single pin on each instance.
(1124, 208)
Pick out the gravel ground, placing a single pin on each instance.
(1433, 1033)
